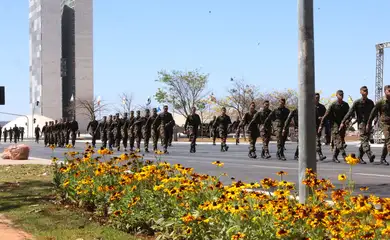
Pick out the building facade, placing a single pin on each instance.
(64, 76)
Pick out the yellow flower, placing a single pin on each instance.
(69, 146)
(54, 159)
(352, 160)
(52, 146)
(238, 235)
(342, 177)
(218, 163)
(363, 189)
(282, 173)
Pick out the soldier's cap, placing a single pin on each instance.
(340, 92)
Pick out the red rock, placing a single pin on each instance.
(16, 152)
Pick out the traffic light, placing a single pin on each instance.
(35, 120)
(2, 95)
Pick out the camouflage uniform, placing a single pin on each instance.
(131, 130)
(165, 122)
(138, 129)
(125, 131)
(278, 117)
(117, 131)
(102, 128)
(110, 133)
(320, 112)
(382, 108)
(252, 131)
(92, 126)
(223, 122)
(154, 129)
(45, 130)
(336, 113)
(192, 125)
(213, 130)
(236, 127)
(146, 128)
(293, 116)
(362, 108)
(74, 127)
(265, 130)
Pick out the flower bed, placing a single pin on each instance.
(174, 202)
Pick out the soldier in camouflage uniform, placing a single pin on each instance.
(55, 132)
(320, 112)
(278, 116)
(223, 122)
(110, 132)
(362, 107)
(265, 130)
(131, 130)
(336, 113)
(117, 131)
(125, 131)
(91, 128)
(138, 123)
(146, 129)
(192, 126)
(63, 132)
(293, 116)
(213, 129)
(382, 108)
(74, 128)
(102, 128)
(164, 121)
(236, 127)
(154, 129)
(252, 130)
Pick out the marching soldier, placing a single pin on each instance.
(146, 129)
(192, 126)
(382, 108)
(131, 130)
(102, 128)
(236, 127)
(45, 132)
(278, 116)
(293, 116)
(320, 112)
(92, 126)
(5, 134)
(73, 131)
(362, 107)
(37, 132)
(138, 123)
(223, 122)
(336, 113)
(213, 129)
(265, 129)
(154, 129)
(252, 130)
(165, 122)
(15, 131)
(21, 130)
(124, 131)
(11, 134)
(1, 132)
(110, 132)
(117, 131)
(55, 132)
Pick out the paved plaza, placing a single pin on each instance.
(239, 166)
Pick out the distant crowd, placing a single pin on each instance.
(15, 134)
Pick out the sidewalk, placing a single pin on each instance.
(31, 160)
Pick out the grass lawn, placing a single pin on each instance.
(27, 199)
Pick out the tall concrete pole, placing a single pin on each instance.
(306, 84)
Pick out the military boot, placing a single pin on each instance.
(252, 154)
(335, 155)
(281, 155)
(321, 156)
(222, 148)
(263, 153)
(361, 153)
(383, 156)
(370, 156)
(146, 150)
(267, 155)
(384, 162)
(226, 147)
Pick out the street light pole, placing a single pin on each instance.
(306, 84)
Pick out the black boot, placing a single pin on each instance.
(281, 155)
(237, 141)
(222, 148)
(321, 156)
(252, 154)
(267, 155)
(296, 155)
(335, 155)
(226, 147)
(370, 156)
(361, 153)
(384, 162)
(263, 153)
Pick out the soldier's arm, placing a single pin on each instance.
(288, 120)
(255, 119)
(186, 123)
(374, 113)
(270, 118)
(350, 113)
(156, 122)
(326, 115)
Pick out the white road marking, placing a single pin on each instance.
(372, 175)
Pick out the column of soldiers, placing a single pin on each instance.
(59, 133)
(130, 130)
(15, 134)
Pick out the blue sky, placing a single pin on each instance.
(252, 39)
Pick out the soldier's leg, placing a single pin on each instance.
(214, 136)
(170, 137)
(132, 139)
(279, 144)
(337, 142)
(73, 139)
(319, 147)
(296, 154)
(124, 141)
(192, 140)
(237, 136)
(164, 138)
(252, 145)
(342, 143)
(146, 141)
(104, 140)
(384, 154)
(266, 139)
(138, 140)
(365, 143)
(22, 137)
(386, 133)
(118, 142)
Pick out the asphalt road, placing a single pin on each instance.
(239, 166)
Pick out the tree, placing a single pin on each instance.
(239, 97)
(126, 103)
(181, 89)
(273, 97)
(88, 108)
